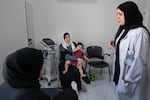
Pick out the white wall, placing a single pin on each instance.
(92, 22)
(86, 21)
(13, 33)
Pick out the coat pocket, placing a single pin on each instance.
(129, 58)
(124, 88)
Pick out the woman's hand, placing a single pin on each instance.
(111, 45)
(125, 81)
(80, 60)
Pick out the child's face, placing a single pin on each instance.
(80, 47)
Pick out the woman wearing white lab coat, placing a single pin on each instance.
(131, 49)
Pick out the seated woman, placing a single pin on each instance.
(77, 52)
(21, 71)
(72, 76)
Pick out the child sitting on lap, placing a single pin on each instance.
(77, 52)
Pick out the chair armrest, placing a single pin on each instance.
(107, 54)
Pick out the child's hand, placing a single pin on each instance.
(78, 48)
(81, 50)
(79, 63)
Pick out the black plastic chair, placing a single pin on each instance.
(96, 53)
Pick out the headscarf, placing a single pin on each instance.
(133, 19)
(65, 45)
(22, 68)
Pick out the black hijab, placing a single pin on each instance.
(133, 19)
(22, 68)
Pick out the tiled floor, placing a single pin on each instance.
(100, 89)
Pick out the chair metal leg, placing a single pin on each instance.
(101, 71)
(86, 65)
(89, 71)
(109, 73)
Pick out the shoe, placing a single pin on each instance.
(86, 80)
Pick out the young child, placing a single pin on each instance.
(77, 52)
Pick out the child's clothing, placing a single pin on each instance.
(78, 54)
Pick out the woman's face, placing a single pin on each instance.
(67, 39)
(120, 17)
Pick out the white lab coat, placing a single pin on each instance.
(134, 50)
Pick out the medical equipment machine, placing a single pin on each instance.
(49, 50)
